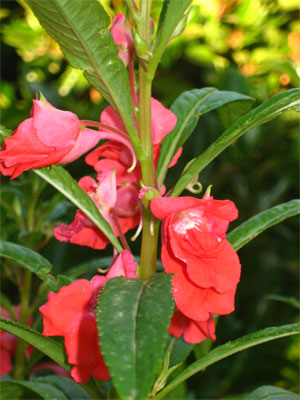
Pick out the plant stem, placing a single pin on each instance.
(149, 238)
(25, 314)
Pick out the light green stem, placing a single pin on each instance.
(150, 228)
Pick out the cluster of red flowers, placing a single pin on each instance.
(194, 247)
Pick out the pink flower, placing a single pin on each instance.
(114, 155)
(195, 249)
(121, 33)
(119, 206)
(192, 331)
(70, 313)
(50, 137)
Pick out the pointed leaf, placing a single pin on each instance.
(30, 260)
(188, 107)
(34, 389)
(262, 221)
(62, 181)
(171, 15)
(271, 393)
(133, 318)
(230, 348)
(81, 29)
(46, 345)
(260, 115)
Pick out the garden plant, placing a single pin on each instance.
(125, 332)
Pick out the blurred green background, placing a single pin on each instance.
(252, 47)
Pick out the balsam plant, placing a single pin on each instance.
(123, 326)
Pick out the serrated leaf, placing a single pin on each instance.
(188, 107)
(69, 388)
(46, 345)
(30, 260)
(265, 112)
(133, 318)
(230, 348)
(62, 181)
(271, 393)
(81, 29)
(251, 228)
(35, 390)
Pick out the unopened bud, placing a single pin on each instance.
(141, 47)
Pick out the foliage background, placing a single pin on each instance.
(252, 47)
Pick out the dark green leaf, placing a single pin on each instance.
(62, 181)
(292, 301)
(69, 388)
(30, 260)
(46, 345)
(271, 393)
(230, 348)
(188, 107)
(260, 115)
(90, 266)
(36, 390)
(262, 221)
(133, 318)
(81, 29)
(103, 263)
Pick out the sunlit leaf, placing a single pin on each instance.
(258, 116)
(188, 107)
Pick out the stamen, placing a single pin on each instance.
(139, 229)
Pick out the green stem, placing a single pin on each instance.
(25, 314)
(149, 246)
(149, 236)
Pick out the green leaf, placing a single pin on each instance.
(59, 178)
(270, 109)
(271, 393)
(4, 133)
(46, 345)
(133, 318)
(230, 348)
(81, 29)
(292, 301)
(34, 389)
(188, 107)
(69, 388)
(30, 260)
(171, 15)
(262, 221)
(90, 266)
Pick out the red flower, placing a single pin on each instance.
(50, 137)
(8, 342)
(192, 331)
(195, 249)
(70, 313)
(120, 207)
